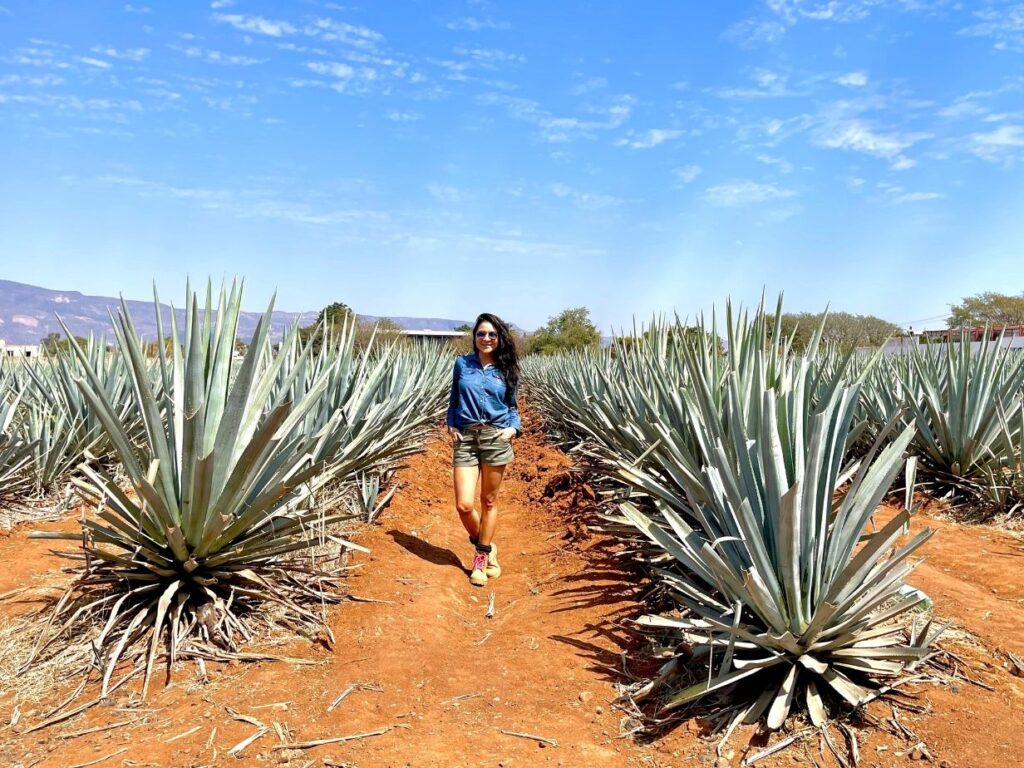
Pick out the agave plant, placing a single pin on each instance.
(15, 453)
(368, 496)
(222, 485)
(54, 434)
(967, 405)
(57, 419)
(782, 590)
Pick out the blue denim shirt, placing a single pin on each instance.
(478, 396)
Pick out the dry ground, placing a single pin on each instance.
(450, 682)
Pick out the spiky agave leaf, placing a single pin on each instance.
(221, 488)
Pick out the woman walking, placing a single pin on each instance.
(482, 420)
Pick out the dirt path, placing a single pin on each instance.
(451, 680)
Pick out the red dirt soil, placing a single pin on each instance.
(452, 681)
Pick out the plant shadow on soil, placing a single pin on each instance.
(608, 583)
(424, 550)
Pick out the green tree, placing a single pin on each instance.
(463, 345)
(988, 308)
(50, 343)
(331, 317)
(336, 313)
(687, 334)
(843, 329)
(53, 343)
(571, 329)
(380, 331)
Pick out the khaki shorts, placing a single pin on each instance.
(482, 446)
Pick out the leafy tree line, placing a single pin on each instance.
(988, 308)
(845, 330)
(573, 329)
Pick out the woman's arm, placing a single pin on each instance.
(513, 409)
(453, 398)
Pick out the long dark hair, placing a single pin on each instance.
(506, 359)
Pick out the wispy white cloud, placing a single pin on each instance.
(648, 139)
(475, 24)
(335, 69)
(344, 77)
(857, 135)
(768, 84)
(585, 85)
(478, 244)
(916, 197)
(1004, 25)
(217, 57)
(37, 57)
(238, 103)
(245, 202)
(1003, 145)
(557, 129)
(490, 58)
(447, 193)
(744, 192)
(107, 110)
(582, 199)
(751, 32)
(138, 9)
(687, 174)
(336, 31)
(894, 193)
(98, 63)
(853, 79)
(35, 81)
(781, 163)
(397, 116)
(126, 54)
(218, 4)
(256, 25)
(845, 11)
(777, 16)
(963, 108)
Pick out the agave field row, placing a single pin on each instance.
(745, 476)
(214, 479)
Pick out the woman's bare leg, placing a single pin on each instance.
(465, 496)
(490, 483)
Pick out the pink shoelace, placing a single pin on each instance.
(480, 561)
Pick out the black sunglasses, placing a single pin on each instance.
(487, 334)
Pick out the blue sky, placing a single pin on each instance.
(444, 158)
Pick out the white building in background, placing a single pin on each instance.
(425, 335)
(20, 351)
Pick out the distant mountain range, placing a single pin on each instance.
(28, 313)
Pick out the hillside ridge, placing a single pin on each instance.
(28, 313)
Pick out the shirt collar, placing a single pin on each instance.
(479, 362)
